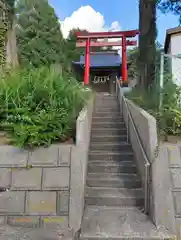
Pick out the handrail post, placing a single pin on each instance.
(127, 127)
(122, 106)
(116, 87)
(146, 207)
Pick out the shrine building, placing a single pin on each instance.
(104, 68)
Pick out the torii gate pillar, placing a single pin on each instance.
(87, 62)
(124, 72)
(124, 61)
(87, 37)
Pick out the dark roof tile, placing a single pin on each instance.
(102, 60)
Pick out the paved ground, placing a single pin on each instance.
(14, 233)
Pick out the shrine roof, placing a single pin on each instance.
(102, 59)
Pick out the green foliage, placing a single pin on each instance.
(169, 115)
(10, 11)
(173, 6)
(39, 106)
(39, 38)
(72, 52)
(133, 55)
(132, 61)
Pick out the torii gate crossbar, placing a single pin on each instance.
(87, 37)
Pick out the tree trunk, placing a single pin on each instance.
(11, 48)
(3, 31)
(8, 48)
(147, 48)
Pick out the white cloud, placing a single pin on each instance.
(115, 26)
(87, 18)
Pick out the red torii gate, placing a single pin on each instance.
(87, 43)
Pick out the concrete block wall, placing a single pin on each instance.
(173, 156)
(166, 180)
(45, 187)
(146, 134)
(79, 159)
(147, 128)
(35, 185)
(165, 168)
(161, 204)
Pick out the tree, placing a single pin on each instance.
(3, 30)
(11, 44)
(8, 50)
(147, 48)
(40, 40)
(72, 52)
(147, 26)
(173, 6)
(132, 61)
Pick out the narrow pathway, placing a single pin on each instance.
(114, 197)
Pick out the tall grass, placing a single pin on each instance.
(169, 115)
(39, 106)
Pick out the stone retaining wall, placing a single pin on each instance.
(161, 202)
(36, 187)
(172, 159)
(165, 171)
(166, 182)
(146, 127)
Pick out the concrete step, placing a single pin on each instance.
(120, 146)
(108, 131)
(107, 104)
(111, 167)
(132, 176)
(104, 97)
(119, 223)
(109, 180)
(107, 107)
(112, 108)
(104, 196)
(107, 114)
(110, 156)
(107, 119)
(108, 162)
(108, 138)
(102, 120)
(110, 124)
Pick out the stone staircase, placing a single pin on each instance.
(114, 198)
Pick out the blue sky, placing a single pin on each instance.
(125, 12)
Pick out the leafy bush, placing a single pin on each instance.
(39, 106)
(169, 115)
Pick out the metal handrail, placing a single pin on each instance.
(147, 162)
